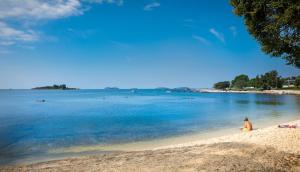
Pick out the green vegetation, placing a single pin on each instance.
(54, 87)
(297, 82)
(222, 85)
(267, 81)
(240, 81)
(275, 24)
(292, 81)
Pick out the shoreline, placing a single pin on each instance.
(202, 90)
(277, 140)
(275, 92)
(173, 140)
(258, 136)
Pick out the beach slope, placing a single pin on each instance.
(267, 149)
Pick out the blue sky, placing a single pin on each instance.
(126, 43)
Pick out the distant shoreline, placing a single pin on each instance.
(54, 87)
(191, 90)
(276, 92)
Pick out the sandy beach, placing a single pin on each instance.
(265, 149)
(149, 86)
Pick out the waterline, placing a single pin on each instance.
(156, 143)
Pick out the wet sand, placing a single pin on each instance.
(266, 149)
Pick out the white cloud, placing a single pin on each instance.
(9, 34)
(217, 34)
(42, 9)
(233, 30)
(151, 6)
(22, 12)
(201, 39)
(38, 9)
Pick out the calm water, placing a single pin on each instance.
(29, 127)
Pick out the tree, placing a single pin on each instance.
(252, 82)
(272, 78)
(255, 82)
(297, 82)
(275, 24)
(240, 81)
(258, 82)
(264, 82)
(280, 82)
(222, 85)
(63, 86)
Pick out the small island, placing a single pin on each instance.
(112, 88)
(178, 89)
(55, 87)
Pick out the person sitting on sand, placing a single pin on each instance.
(247, 125)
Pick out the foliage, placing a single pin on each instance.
(267, 81)
(222, 85)
(240, 81)
(271, 80)
(297, 82)
(275, 24)
(54, 87)
(255, 82)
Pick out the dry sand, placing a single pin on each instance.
(267, 149)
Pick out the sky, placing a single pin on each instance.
(127, 44)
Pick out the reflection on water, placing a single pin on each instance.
(29, 127)
(273, 103)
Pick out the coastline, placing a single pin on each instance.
(276, 92)
(279, 142)
(191, 139)
(283, 139)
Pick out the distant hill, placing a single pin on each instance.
(183, 89)
(55, 87)
(111, 88)
(179, 89)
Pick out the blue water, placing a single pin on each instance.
(29, 126)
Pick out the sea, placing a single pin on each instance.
(33, 123)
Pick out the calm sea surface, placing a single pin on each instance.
(29, 126)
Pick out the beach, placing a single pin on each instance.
(264, 149)
(149, 86)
